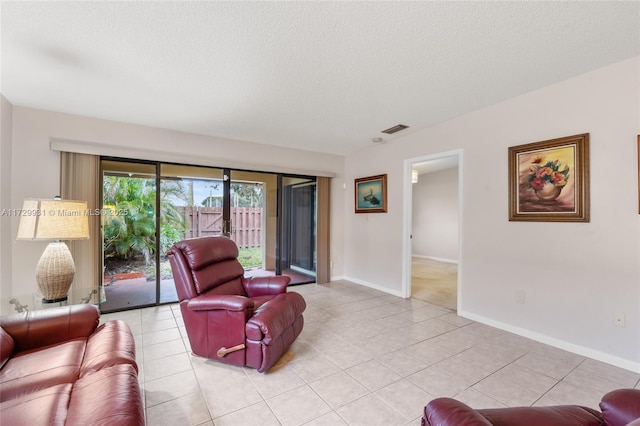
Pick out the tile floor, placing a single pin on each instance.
(364, 357)
(434, 282)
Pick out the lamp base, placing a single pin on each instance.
(62, 299)
(55, 272)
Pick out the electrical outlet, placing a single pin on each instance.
(618, 320)
(520, 296)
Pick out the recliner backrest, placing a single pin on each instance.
(213, 265)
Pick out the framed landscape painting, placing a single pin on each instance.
(371, 194)
(549, 180)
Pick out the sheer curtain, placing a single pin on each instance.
(79, 180)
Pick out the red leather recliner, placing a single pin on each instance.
(230, 318)
(620, 407)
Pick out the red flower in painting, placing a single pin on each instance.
(537, 159)
(541, 172)
(558, 179)
(537, 183)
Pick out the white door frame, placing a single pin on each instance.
(408, 214)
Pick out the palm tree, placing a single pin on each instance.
(134, 230)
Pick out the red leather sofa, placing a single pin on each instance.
(229, 318)
(59, 367)
(618, 408)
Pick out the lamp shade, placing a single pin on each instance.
(53, 220)
(414, 176)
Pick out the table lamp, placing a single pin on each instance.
(56, 220)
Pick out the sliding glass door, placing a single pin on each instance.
(270, 217)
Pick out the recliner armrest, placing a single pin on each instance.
(621, 406)
(451, 412)
(226, 302)
(265, 286)
(272, 318)
(34, 329)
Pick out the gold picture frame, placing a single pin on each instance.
(549, 180)
(370, 194)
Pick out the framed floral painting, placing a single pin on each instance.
(549, 180)
(371, 194)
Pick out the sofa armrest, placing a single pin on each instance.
(226, 302)
(621, 406)
(34, 329)
(451, 412)
(265, 286)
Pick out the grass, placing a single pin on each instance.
(250, 257)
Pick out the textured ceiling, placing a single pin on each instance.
(320, 76)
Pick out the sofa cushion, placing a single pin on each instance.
(111, 344)
(44, 407)
(107, 397)
(6, 347)
(33, 370)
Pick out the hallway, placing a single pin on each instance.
(434, 282)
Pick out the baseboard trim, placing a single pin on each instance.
(397, 293)
(437, 259)
(560, 344)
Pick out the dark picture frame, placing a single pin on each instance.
(549, 180)
(370, 195)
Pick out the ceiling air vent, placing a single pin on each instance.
(395, 129)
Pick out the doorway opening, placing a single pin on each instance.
(432, 221)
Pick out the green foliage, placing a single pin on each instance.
(134, 232)
(247, 195)
(212, 201)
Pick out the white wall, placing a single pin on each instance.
(36, 168)
(575, 275)
(6, 117)
(435, 215)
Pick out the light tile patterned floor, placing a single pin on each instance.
(364, 357)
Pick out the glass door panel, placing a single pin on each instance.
(191, 205)
(129, 234)
(254, 219)
(298, 254)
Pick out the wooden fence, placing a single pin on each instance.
(246, 224)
